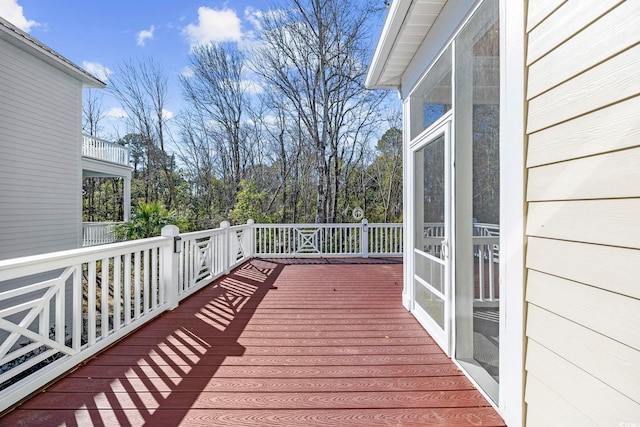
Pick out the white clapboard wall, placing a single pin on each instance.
(583, 223)
(40, 171)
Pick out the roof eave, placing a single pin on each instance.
(24, 41)
(392, 25)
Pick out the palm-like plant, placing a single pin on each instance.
(147, 221)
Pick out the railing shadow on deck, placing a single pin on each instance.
(58, 310)
(161, 368)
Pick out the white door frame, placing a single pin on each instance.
(512, 209)
(442, 336)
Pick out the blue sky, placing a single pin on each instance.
(100, 35)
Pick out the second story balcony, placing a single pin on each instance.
(99, 149)
(104, 159)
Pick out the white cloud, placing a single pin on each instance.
(116, 113)
(145, 35)
(98, 70)
(167, 115)
(12, 12)
(187, 72)
(255, 16)
(214, 26)
(271, 120)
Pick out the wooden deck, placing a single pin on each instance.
(274, 343)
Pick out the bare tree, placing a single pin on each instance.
(142, 88)
(198, 155)
(385, 172)
(92, 112)
(279, 152)
(314, 52)
(217, 91)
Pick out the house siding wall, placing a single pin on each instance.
(40, 172)
(583, 224)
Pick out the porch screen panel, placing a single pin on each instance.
(432, 98)
(477, 110)
(430, 216)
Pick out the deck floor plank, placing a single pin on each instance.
(276, 343)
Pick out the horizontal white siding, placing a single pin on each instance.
(608, 83)
(40, 175)
(583, 222)
(542, 10)
(607, 267)
(582, 396)
(612, 222)
(604, 130)
(569, 19)
(609, 175)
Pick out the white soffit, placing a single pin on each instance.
(406, 26)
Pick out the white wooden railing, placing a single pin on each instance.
(58, 309)
(487, 251)
(313, 240)
(206, 255)
(104, 150)
(99, 233)
(436, 229)
(385, 239)
(486, 248)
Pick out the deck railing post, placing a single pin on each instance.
(248, 238)
(127, 199)
(226, 246)
(364, 235)
(170, 261)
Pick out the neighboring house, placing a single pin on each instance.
(41, 148)
(533, 106)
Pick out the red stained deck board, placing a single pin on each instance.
(205, 371)
(272, 400)
(340, 328)
(414, 417)
(243, 360)
(283, 342)
(263, 385)
(275, 343)
(139, 350)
